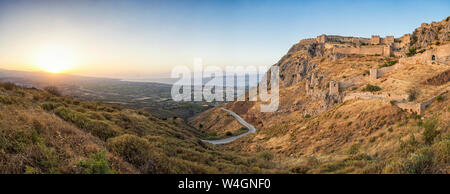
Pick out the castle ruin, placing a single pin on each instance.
(387, 46)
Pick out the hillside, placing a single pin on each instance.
(44, 132)
(354, 105)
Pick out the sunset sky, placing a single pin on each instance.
(139, 39)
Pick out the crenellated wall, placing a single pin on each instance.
(365, 50)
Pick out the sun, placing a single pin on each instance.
(54, 59)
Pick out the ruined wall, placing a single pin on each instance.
(375, 40)
(364, 50)
(308, 41)
(373, 74)
(403, 41)
(439, 55)
(334, 88)
(411, 107)
(380, 96)
(322, 38)
(384, 70)
(388, 40)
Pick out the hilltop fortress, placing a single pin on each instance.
(387, 46)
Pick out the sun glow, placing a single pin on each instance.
(54, 59)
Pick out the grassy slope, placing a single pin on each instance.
(44, 133)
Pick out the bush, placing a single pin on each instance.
(131, 148)
(49, 159)
(72, 116)
(99, 129)
(307, 116)
(418, 164)
(354, 149)
(49, 106)
(9, 86)
(266, 155)
(439, 98)
(388, 63)
(430, 131)
(7, 100)
(371, 88)
(412, 95)
(53, 90)
(97, 163)
(229, 133)
(411, 52)
(300, 169)
(421, 51)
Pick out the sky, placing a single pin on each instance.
(144, 39)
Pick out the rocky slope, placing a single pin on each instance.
(318, 130)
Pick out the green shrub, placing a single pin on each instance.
(307, 116)
(411, 51)
(430, 131)
(354, 149)
(229, 133)
(49, 106)
(49, 160)
(99, 129)
(131, 148)
(442, 151)
(439, 98)
(7, 100)
(412, 95)
(102, 130)
(266, 155)
(371, 88)
(418, 164)
(72, 116)
(389, 63)
(97, 163)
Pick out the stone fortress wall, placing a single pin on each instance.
(375, 45)
(439, 55)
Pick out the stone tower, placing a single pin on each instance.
(373, 74)
(334, 88)
(375, 40)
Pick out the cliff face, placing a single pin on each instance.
(428, 34)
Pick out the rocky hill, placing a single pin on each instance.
(355, 105)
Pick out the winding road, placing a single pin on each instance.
(251, 129)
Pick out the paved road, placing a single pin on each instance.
(251, 129)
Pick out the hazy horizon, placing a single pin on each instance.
(146, 39)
